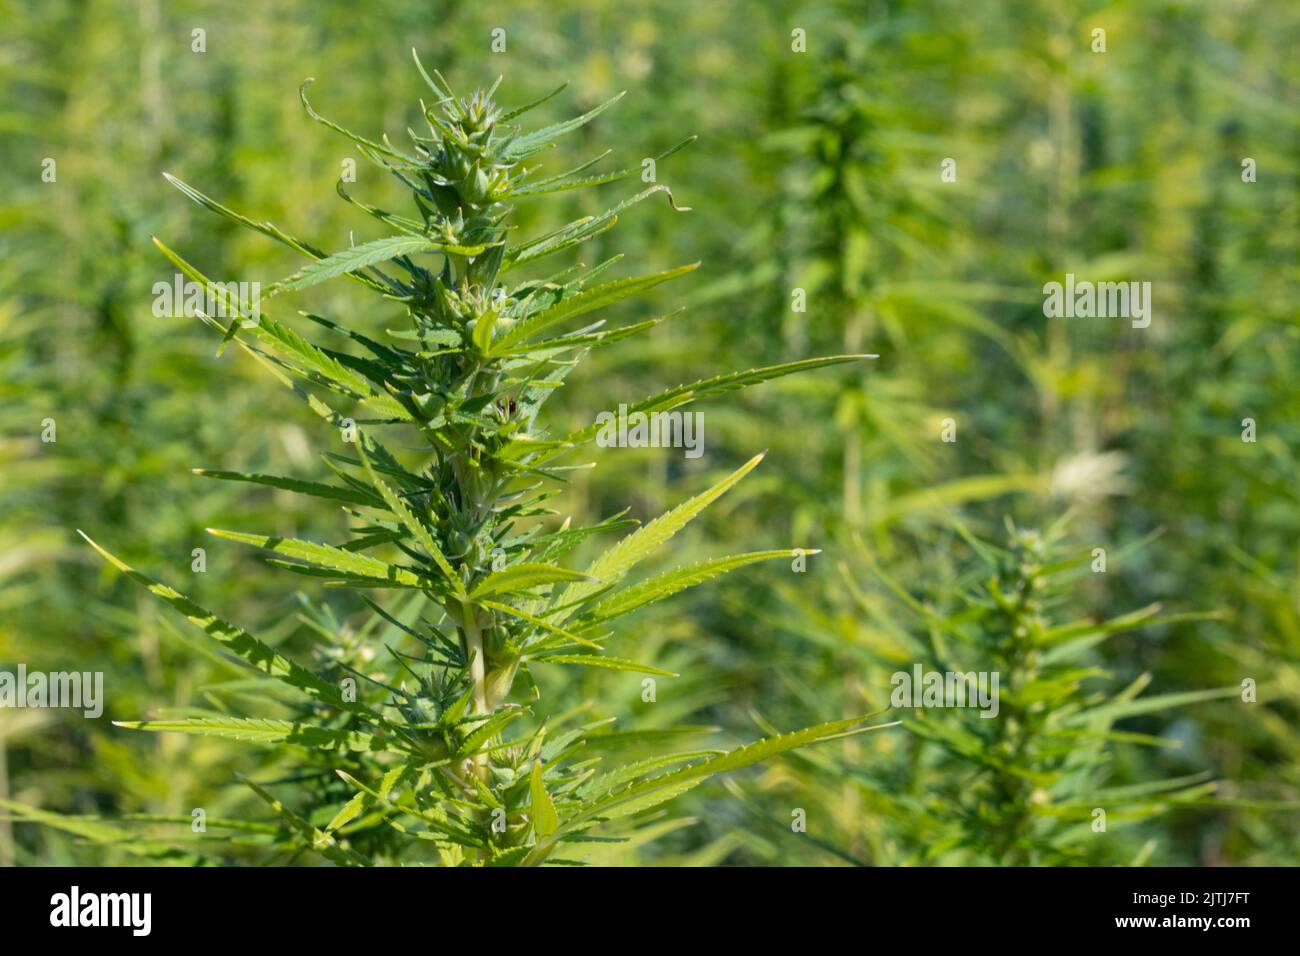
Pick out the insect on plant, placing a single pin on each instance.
(433, 760)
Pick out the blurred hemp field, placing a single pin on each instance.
(1102, 511)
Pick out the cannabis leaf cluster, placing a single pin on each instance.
(429, 749)
(1046, 778)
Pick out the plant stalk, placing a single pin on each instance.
(477, 675)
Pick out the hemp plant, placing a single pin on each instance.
(1046, 775)
(442, 755)
(1038, 783)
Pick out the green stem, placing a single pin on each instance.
(477, 675)
(477, 666)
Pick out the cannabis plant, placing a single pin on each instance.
(1043, 773)
(437, 743)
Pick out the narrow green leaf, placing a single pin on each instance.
(684, 394)
(561, 183)
(366, 254)
(545, 819)
(511, 857)
(458, 830)
(482, 334)
(328, 556)
(262, 731)
(363, 800)
(367, 145)
(474, 741)
(265, 228)
(624, 555)
(602, 784)
(519, 577)
(314, 488)
(585, 301)
(320, 841)
(526, 146)
(521, 110)
(1118, 710)
(296, 352)
(412, 524)
(638, 796)
(663, 585)
(88, 828)
(600, 660)
(538, 622)
(585, 340)
(238, 641)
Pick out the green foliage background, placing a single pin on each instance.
(815, 170)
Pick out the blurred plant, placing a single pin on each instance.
(1042, 780)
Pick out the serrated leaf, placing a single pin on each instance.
(684, 394)
(307, 359)
(292, 350)
(562, 182)
(363, 800)
(511, 857)
(601, 660)
(519, 577)
(328, 556)
(266, 228)
(238, 641)
(526, 146)
(412, 524)
(538, 622)
(533, 104)
(583, 302)
(323, 843)
(584, 340)
(577, 231)
(624, 555)
(260, 730)
(366, 254)
(661, 586)
(315, 489)
(638, 796)
(460, 831)
(602, 784)
(368, 146)
(475, 740)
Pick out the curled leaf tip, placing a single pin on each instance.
(673, 202)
